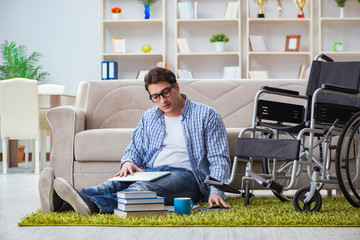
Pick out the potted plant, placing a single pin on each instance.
(341, 5)
(116, 13)
(147, 4)
(219, 40)
(18, 65)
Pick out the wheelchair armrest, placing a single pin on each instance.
(280, 90)
(339, 89)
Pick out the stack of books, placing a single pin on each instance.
(139, 203)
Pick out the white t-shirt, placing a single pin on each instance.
(174, 152)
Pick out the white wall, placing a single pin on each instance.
(66, 32)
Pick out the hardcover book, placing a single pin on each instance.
(136, 194)
(123, 214)
(141, 207)
(140, 200)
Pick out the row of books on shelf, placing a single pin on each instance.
(109, 70)
(185, 74)
(304, 73)
(188, 10)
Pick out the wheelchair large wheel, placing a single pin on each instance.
(348, 161)
(313, 205)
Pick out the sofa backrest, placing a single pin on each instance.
(121, 103)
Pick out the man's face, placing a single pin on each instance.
(172, 103)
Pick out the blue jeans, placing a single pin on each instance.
(179, 183)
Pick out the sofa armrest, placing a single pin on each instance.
(65, 122)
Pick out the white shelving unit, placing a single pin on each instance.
(274, 31)
(137, 32)
(332, 28)
(203, 61)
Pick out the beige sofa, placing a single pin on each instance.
(88, 144)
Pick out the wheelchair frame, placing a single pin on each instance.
(307, 198)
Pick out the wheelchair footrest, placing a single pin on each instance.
(268, 183)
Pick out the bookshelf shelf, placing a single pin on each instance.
(333, 29)
(282, 53)
(207, 20)
(274, 30)
(139, 21)
(137, 32)
(131, 54)
(203, 61)
(208, 54)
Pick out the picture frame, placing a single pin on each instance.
(118, 45)
(292, 43)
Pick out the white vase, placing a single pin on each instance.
(219, 46)
(341, 12)
(116, 16)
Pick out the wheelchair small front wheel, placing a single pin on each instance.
(313, 205)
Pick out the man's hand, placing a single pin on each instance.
(128, 167)
(215, 198)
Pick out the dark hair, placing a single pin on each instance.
(159, 74)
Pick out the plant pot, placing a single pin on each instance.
(20, 153)
(116, 16)
(219, 46)
(341, 12)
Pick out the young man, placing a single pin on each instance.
(177, 135)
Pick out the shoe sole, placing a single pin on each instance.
(70, 195)
(46, 190)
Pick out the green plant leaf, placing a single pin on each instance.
(221, 37)
(341, 3)
(18, 65)
(147, 2)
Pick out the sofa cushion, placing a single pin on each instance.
(102, 144)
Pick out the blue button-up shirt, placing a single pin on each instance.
(205, 137)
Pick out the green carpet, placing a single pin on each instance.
(335, 212)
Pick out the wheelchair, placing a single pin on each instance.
(295, 142)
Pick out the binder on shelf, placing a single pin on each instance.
(257, 43)
(302, 72)
(258, 75)
(113, 70)
(141, 74)
(104, 70)
(231, 11)
(231, 72)
(109, 70)
(183, 45)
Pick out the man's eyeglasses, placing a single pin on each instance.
(165, 93)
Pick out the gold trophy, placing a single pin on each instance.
(261, 4)
(300, 4)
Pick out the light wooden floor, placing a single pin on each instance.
(19, 196)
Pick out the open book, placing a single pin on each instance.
(141, 176)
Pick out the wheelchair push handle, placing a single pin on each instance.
(324, 57)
